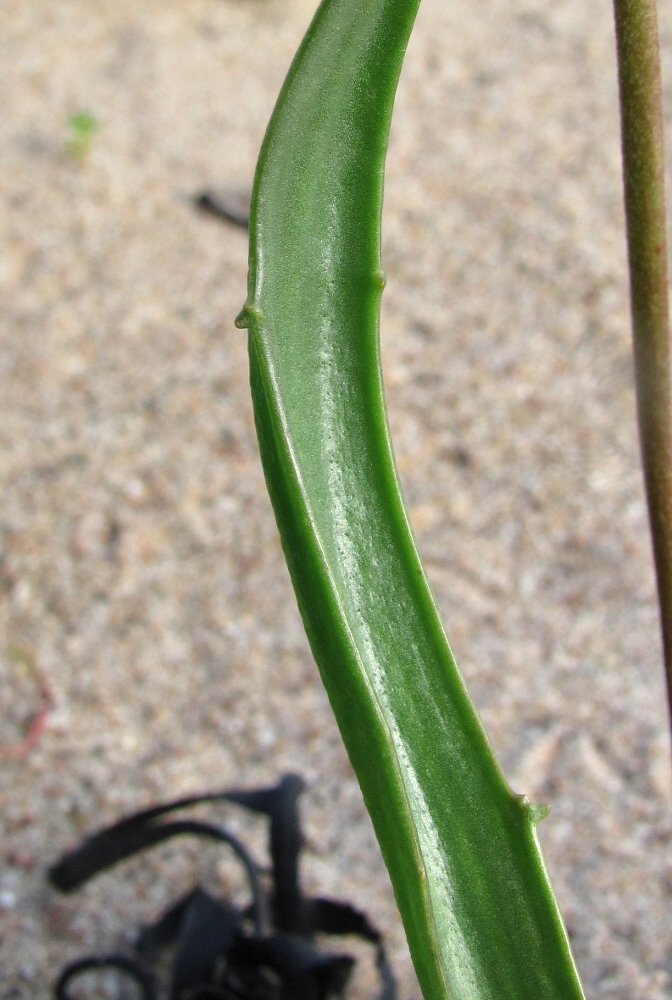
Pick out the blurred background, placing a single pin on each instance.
(148, 628)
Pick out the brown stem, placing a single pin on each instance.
(643, 169)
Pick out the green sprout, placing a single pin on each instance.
(82, 126)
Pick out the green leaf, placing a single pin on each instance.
(460, 846)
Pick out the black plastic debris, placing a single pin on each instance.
(264, 950)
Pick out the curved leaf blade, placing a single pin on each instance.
(461, 848)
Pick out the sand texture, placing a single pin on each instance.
(142, 586)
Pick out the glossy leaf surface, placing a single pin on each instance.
(461, 848)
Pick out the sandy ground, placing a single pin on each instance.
(141, 578)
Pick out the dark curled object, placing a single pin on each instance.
(230, 206)
(264, 950)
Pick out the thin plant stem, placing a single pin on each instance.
(644, 183)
